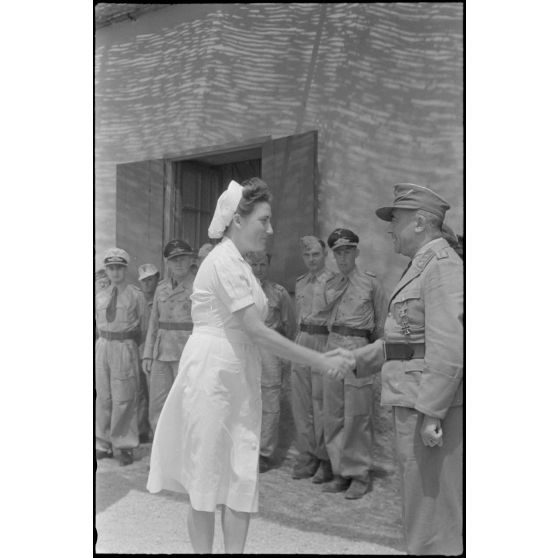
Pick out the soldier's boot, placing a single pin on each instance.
(126, 457)
(357, 489)
(338, 484)
(324, 474)
(305, 471)
(102, 454)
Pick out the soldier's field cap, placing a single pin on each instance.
(176, 248)
(101, 274)
(116, 256)
(309, 242)
(342, 237)
(411, 196)
(146, 270)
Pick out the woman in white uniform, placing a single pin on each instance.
(207, 440)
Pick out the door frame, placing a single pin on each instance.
(172, 203)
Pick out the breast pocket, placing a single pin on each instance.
(365, 305)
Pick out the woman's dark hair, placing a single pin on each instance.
(255, 191)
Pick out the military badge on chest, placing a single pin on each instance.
(402, 317)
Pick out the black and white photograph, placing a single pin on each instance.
(279, 277)
(238, 302)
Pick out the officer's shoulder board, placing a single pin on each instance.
(370, 274)
(443, 253)
(135, 287)
(423, 259)
(300, 277)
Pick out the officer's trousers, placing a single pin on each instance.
(143, 405)
(307, 404)
(162, 376)
(271, 402)
(348, 408)
(116, 379)
(431, 483)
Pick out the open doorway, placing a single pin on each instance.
(200, 181)
(174, 197)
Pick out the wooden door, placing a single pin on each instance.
(199, 187)
(289, 167)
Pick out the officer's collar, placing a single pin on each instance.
(425, 247)
(318, 274)
(352, 273)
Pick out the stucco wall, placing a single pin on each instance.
(382, 84)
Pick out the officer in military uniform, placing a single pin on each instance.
(281, 318)
(170, 325)
(148, 276)
(312, 314)
(357, 317)
(421, 359)
(119, 309)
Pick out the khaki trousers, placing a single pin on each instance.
(307, 403)
(431, 483)
(116, 379)
(272, 375)
(348, 407)
(162, 376)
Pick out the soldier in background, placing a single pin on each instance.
(203, 251)
(312, 316)
(148, 276)
(280, 317)
(356, 319)
(119, 311)
(170, 325)
(202, 254)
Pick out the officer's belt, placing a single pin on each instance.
(314, 329)
(351, 331)
(181, 326)
(119, 335)
(404, 351)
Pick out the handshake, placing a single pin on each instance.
(341, 364)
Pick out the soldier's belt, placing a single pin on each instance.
(314, 329)
(181, 326)
(403, 351)
(351, 331)
(119, 335)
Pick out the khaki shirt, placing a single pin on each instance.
(280, 313)
(425, 307)
(359, 301)
(311, 305)
(130, 307)
(169, 305)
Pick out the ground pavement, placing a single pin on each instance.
(295, 516)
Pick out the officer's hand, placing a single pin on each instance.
(431, 432)
(342, 363)
(146, 365)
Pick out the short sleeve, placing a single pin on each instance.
(232, 284)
